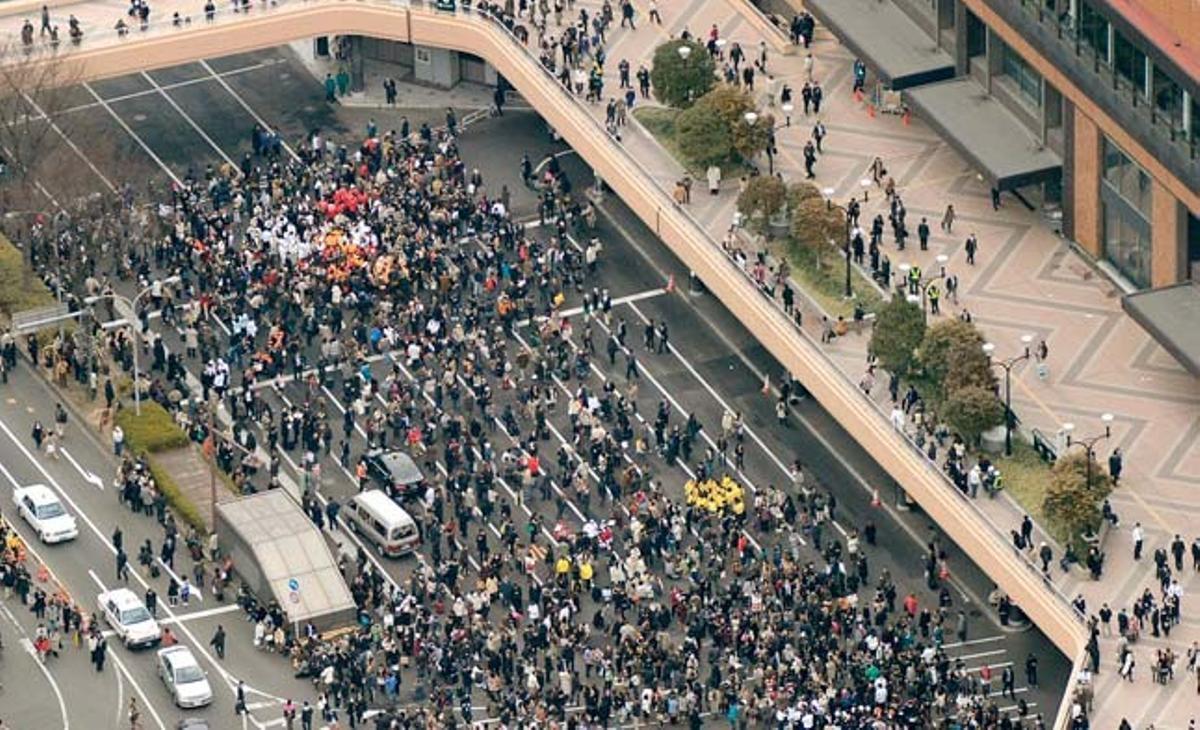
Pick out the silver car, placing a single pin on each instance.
(183, 676)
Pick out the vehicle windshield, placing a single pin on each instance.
(401, 532)
(50, 511)
(135, 615)
(184, 675)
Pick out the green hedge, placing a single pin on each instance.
(20, 289)
(151, 432)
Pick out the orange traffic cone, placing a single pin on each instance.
(670, 283)
(766, 389)
(875, 498)
(871, 110)
(907, 118)
(43, 573)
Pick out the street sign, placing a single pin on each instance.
(294, 596)
(293, 585)
(32, 320)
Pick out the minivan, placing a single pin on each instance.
(381, 521)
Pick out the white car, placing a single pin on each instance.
(183, 676)
(124, 612)
(40, 507)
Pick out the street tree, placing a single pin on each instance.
(680, 78)
(899, 329)
(972, 410)
(1070, 503)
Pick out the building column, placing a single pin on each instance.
(1168, 238)
(960, 39)
(358, 64)
(995, 56)
(1085, 185)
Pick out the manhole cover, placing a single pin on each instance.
(139, 117)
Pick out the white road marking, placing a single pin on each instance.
(972, 642)
(112, 654)
(88, 476)
(576, 311)
(198, 595)
(262, 122)
(27, 645)
(150, 92)
(104, 540)
(74, 147)
(191, 122)
(141, 142)
(197, 615)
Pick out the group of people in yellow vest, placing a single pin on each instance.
(716, 495)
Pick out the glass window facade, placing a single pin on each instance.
(1093, 31)
(1023, 75)
(1126, 199)
(1126, 178)
(1127, 246)
(1168, 97)
(1130, 62)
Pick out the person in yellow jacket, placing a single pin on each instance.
(562, 568)
(586, 573)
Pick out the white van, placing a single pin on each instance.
(381, 521)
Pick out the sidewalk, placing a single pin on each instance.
(1026, 280)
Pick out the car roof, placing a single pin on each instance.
(402, 467)
(39, 493)
(123, 597)
(180, 655)
(383, 504)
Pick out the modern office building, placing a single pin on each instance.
(1089, 105)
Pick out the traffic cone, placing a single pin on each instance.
(766, 389)
(43, 573)
(875, 498)
(670, 283)
(907, 118)
(871, 110)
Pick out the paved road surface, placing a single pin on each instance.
(139, 135)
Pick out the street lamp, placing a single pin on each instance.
(830, 205)
(1008, 364)
(922, 284)
(1089, 443)
(684, 51)
(788, 108)
(866, 184)
(132, 305)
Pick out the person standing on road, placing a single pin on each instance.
(122, 566)
(1139, 540)
(135, 715)
(217, 642)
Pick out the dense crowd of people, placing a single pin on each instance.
(644, 606)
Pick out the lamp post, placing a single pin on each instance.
(830, 205)
(788, 108)
(1008, 364)
(684, 52)
(132, 305)
(923, 283)
(1089, 443)
(866, 184)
